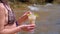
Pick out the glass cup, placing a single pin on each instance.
(32, 19)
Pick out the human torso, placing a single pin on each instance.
(6, 25)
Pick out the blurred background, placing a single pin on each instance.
(48, 11)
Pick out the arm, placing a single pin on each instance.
(23, 18)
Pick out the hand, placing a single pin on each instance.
(28, 27)
(23, 18)
(28, 12)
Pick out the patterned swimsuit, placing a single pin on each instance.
(11, 16)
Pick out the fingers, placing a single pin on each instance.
(28, 12)
(32, 25)
(28, 27)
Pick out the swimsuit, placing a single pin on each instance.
(11, 16)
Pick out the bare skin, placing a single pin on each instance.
(11, 29)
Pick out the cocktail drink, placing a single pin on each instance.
(32, 19)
